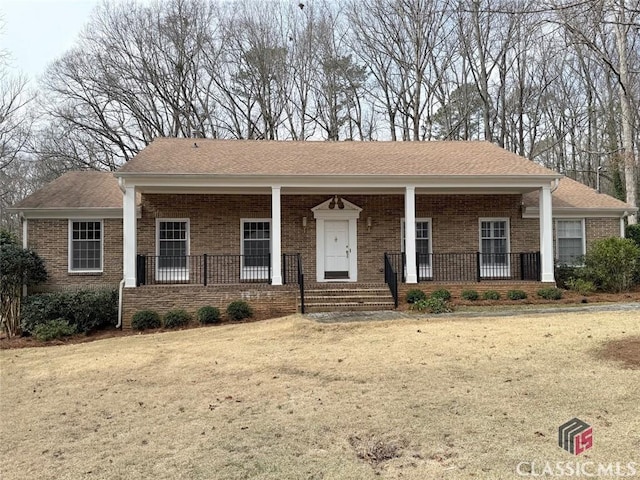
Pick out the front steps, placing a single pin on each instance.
(345, 297)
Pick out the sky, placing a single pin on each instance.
(36, 32)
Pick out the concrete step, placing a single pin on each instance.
(343, 298)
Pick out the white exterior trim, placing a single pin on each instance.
(584, 234)
(70, 268)
(546, 235)
(85, 213)
(622, 228)
(276, 237)
(129, 236)
(168, 274)
(351, 213)
(253, 273)
(410, 233)
(566, 212)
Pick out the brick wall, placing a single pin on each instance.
(215, 223)
(50, 238)
(599, 228)
(266, 301)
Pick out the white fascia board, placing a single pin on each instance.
(333, 181)
(568, 212)
(79, 212)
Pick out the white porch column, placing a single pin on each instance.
(410, 233)
(129, 243)
(276, 237)
(546, 235)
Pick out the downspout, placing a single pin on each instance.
(120, 288)
(557, 184)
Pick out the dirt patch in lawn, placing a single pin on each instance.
(625, 350)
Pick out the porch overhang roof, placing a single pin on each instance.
(146, 182)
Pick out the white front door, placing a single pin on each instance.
(336, 247)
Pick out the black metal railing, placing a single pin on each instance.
(470, 267)
(292, 273)
(391, 276)
(214, 269)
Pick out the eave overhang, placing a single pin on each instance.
(71, 212)
(580, 212)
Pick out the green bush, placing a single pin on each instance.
(239, 310)
(581, 286)
(550, 293)
(442, 293)
(145, 319)
(491, 295)
(87, 310)
(432, 305)
(208, 315)
(516, 295)
(612, 264)
(564, 273)
(53, 329)
(633, 232)
(470, 295)
(176, 318)
(415, 295)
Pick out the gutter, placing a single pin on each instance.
(120, 288)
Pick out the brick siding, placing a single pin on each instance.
(50, 238)
(266, 301)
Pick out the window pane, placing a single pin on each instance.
(256, 243)
(172, 244)
(86, 249)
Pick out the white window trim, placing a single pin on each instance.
(491, 271)
(425, 270)
(584, 236)
(254, 273)
(172, 274)
(70, 268)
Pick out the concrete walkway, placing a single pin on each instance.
(344, 317)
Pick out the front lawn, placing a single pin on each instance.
(293, 399)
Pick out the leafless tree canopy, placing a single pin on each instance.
(557, 82)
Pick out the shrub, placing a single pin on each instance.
(491, 295)
(176, 318)
(581, 286)
(415, 295)
(550, 293)
(239, 310)
(144, 319)
(87, 310)
(633, 232)
(442, 293)
(612, 264)
(52, 329)
(432, 305)
(516, 295)
(470, 295)
(564, 273)
(208, 315)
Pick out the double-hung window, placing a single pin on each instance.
(423, 246)
(256, 248)
(494, 247)
(570, 243)
(85, 245)
(172, 243)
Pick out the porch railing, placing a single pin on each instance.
(470, 267)
(391, 276)
(213, 269)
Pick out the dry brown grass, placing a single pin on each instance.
(293, 399)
